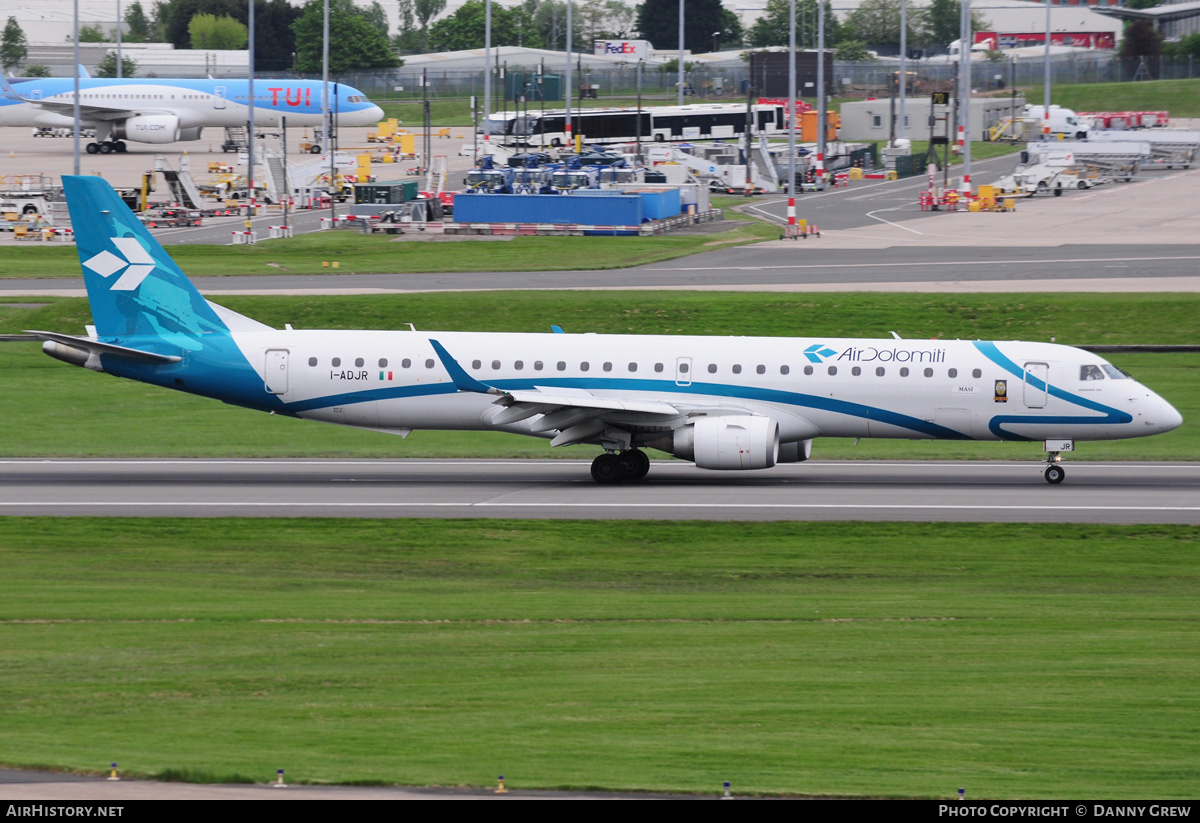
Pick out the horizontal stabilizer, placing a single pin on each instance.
(96, 347)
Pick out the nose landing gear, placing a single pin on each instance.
(1054, 448)
(611, 467)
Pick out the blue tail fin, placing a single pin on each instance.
(133, 286)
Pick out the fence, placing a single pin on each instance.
(728, 82)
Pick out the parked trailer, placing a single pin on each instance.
(1113, 161)
(1167, 148)
(1055, 167)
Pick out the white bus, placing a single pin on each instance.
(662, 124)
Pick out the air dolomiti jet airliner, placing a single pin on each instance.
(722, 402)
(167, 111)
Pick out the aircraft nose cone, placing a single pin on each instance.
(1170, 417)
(376, 113)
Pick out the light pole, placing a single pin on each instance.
(679, 83)
(903, 62)
(1046, 81)
(821, 89)
(120, 66)
(791, 186)
(487, 67)
(716, 34)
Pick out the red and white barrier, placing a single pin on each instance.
(246, 238)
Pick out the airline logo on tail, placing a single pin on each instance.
(136, 263)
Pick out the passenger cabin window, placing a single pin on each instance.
(537, 365)
(1090, 373)
(760, 369)
(337, 361)
(880, 371)
(358, 363)
(658, 367)
(856, 371)
(495, 365)
(607, 366)
(904, 371)
(977, 372)
(405, 363)
(784, 369)
(929, 372)
(562, 366)
(584, 366)
(518, 365)
(833, 369)
(476, 364)
(633, 367)
(383, 362)
(712, 368)
(429, 364)
(737, 369)
(808, 369)
(953, 372)
(312, 361)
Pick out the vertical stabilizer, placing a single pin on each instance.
(133, 286)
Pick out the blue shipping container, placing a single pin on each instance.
(657, 203)
(616, 210)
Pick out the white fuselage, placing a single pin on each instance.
(812, 387)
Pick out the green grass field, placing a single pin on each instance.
(53, 409)
(362, 254)
(833, 659)
(1180, 97)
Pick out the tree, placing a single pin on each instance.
(353, 42)
(139, 25)
(658, 22)
(1186, 46)
(108, 66)
(207, 31)
(940, 24)
(465, 28)
(771, 29)
(1141, 40)
(13, 50)
(852, 51)
(91, 34)
(878, 22)
(37, 70)
(426, 10)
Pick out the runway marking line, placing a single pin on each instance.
(278, 505)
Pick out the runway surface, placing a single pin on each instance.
(958, 491)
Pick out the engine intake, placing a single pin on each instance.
(732, 443)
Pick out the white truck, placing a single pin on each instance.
(1061, 121)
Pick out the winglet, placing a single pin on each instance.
(7, 91)
(83, 72)
(458, 374)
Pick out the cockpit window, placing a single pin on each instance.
(1090, 373)
(1114, 372)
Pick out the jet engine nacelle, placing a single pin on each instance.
(190, 133)
(729, 443)
(148, 128)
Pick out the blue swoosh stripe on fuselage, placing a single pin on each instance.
(995, 424)
(751, 393)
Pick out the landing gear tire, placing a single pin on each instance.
(1055, 474)
(120, 147)
(105, 147)
(634, 464)
(607, 469)
(93, 148)
(314, 149)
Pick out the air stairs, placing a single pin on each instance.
(183, 188)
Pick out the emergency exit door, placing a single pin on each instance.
(276, 371)
(1036, 380)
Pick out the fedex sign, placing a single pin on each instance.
(623, 49)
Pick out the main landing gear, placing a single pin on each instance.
(107, 147)
(612, 467)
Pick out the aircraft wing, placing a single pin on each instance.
(575, 413)
(90, 111)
